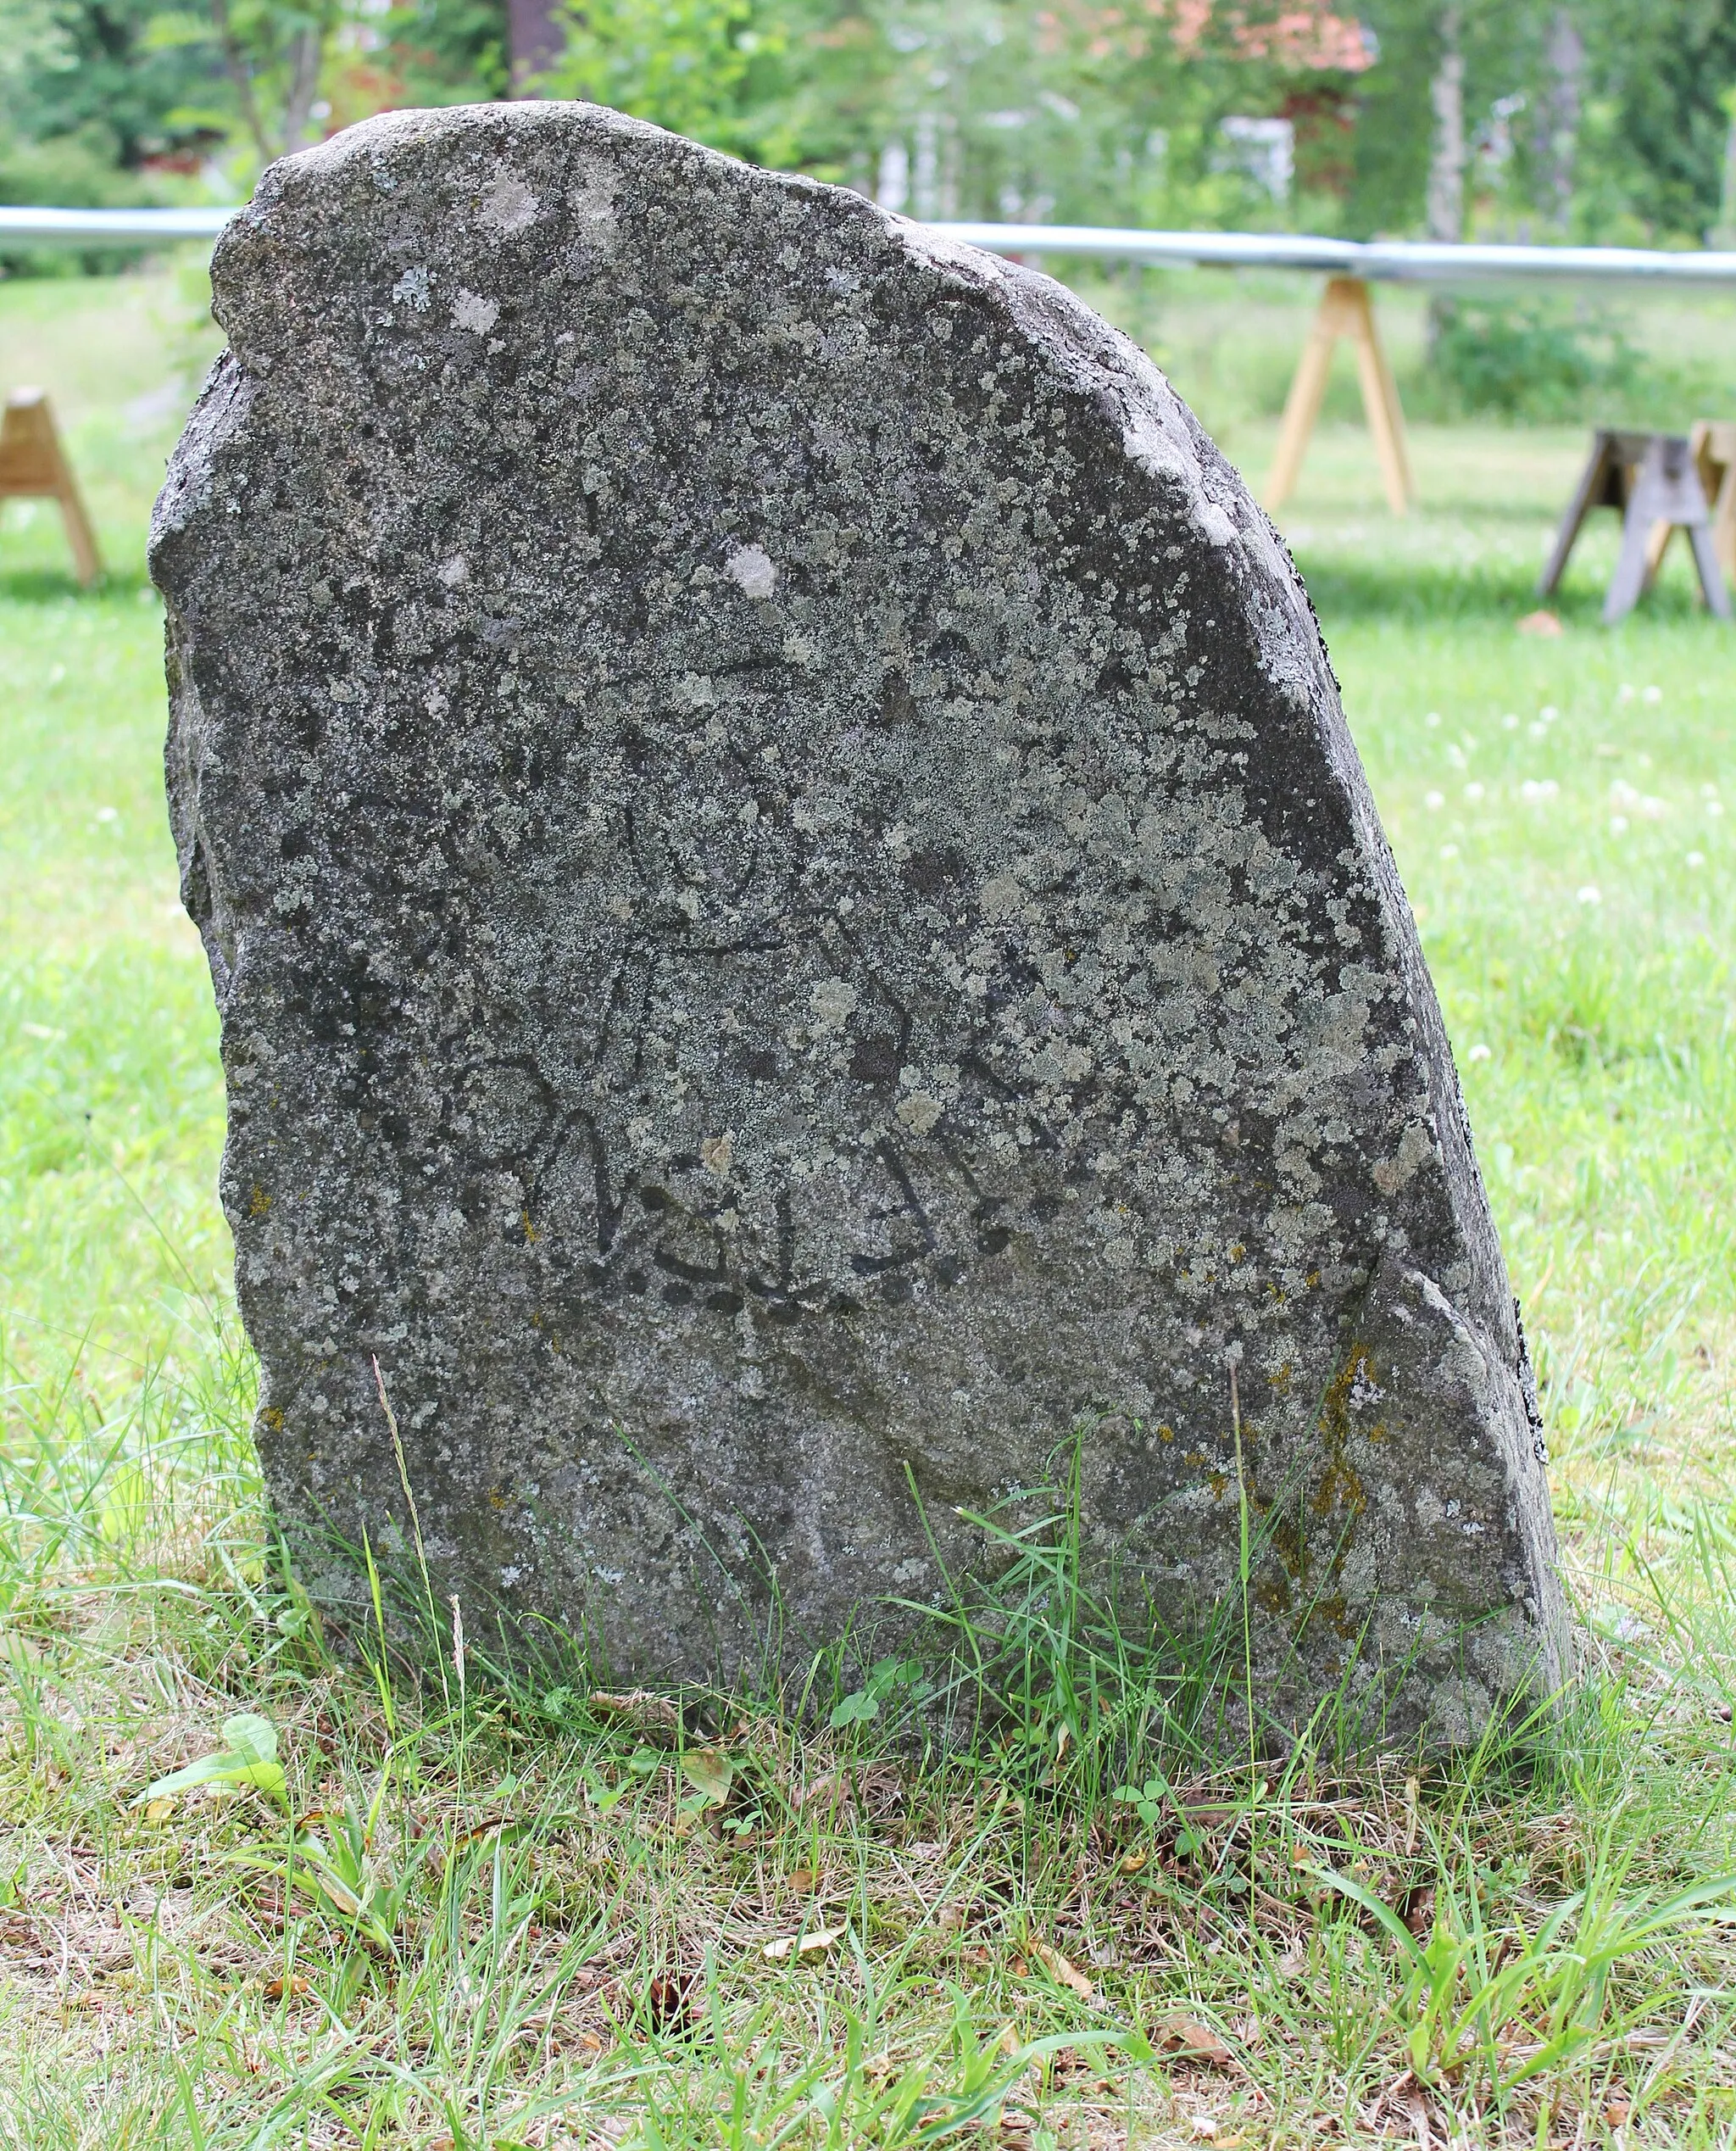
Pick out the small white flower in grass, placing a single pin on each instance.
(1449, 851)
(1715, 807)
(1549, 713)
(1696, 859)
(1433, 719)
(1591, 894)
(1473, 792)
(1511, 721)
(1540, 731)
(1537, 791)
(1653, 694)
(1708, 791)
(1624, 692)
(1479, 1052)
(1618, 825)
(1435, 801)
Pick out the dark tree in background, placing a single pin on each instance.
(535, 34)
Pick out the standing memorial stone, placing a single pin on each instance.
(795, 917)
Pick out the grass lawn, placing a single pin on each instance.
(529, 1917)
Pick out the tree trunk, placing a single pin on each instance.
(1446, 163)
(1566, 63)
(535, 37)
(304, 87)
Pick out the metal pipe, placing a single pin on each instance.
(81, 227)
(1386, 261)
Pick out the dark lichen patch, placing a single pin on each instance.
(789, 888)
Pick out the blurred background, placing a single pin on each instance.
(1604, 121)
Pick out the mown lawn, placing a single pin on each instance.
(573, 1924)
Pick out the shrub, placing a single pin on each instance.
(1533, 358)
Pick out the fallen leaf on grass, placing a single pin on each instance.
(640, 1707)
(668, 2002)
(1411, 2105)
(802, 1880)
(159, 1810)
(806, 1945)
(1058, 1968)
(1134, 1861)
(290, 1989)
(1539, 623)
(1616, 2110)
(1185, 2038)
(710, 1773)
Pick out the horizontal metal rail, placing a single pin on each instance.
(87, 227)
(1381, 260)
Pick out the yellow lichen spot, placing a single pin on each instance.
(1218, 1484)
(1280, 1380)
(1165, 1433)
(1238, 1252)
(530, 1229)
(497, 1499)
(259, 1202)
(1312, 1280)
(273, 1418)
(1340, 1487)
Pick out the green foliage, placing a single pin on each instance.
(248, 1756)
(447, 52)
(699, 67)
(1501, 2010)
(100, 72)
(1656, 122)
(1535, 358)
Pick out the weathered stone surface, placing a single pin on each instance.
(793, 910)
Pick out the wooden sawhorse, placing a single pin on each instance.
(1345, 310)
(1713, 447)
(33, 466)
(1655, 482)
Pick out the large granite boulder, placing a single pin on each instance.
(797, 927)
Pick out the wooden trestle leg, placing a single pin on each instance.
(1345, 310)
